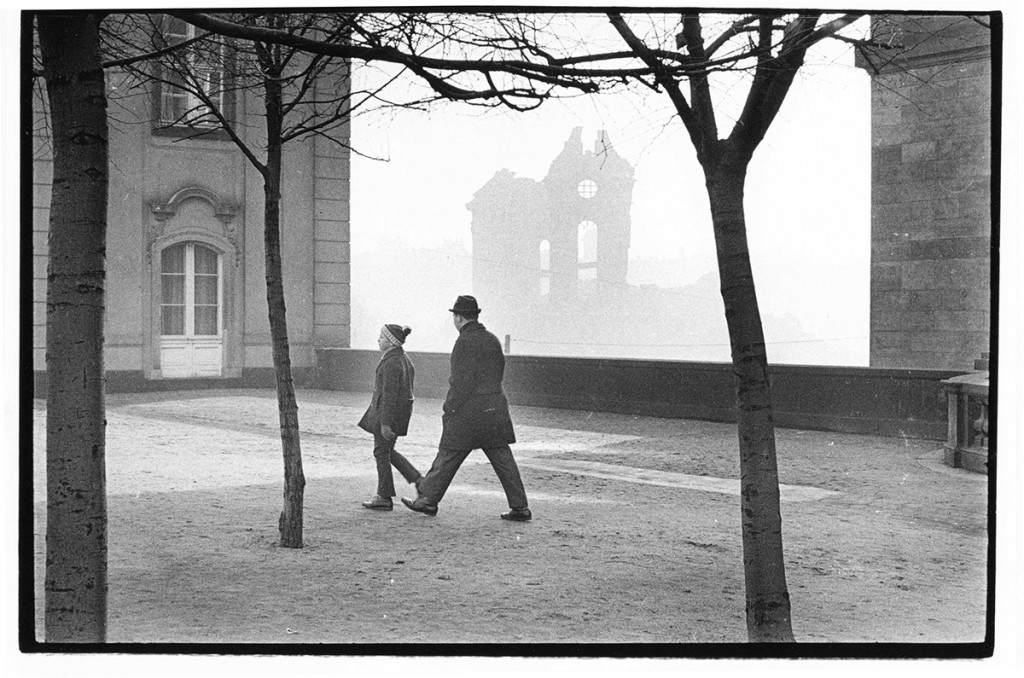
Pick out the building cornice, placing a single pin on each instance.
(878, 63)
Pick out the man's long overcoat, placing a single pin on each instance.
(475, 409)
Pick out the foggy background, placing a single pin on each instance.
(807, 210)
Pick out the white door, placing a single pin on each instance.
(191, 311)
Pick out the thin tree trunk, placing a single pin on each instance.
(290, 522)
(76, 508)
(768, 605)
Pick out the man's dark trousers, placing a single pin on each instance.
(435, 483)
(385, 455)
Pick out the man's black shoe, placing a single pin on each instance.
(379, 503)
(520, 515)
(421, 505)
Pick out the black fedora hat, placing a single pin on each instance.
(465, 304)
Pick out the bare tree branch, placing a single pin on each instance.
(662, 79)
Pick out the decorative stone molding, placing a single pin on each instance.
(223, 211)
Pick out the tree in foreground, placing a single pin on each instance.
(772, 49)
(76, 504)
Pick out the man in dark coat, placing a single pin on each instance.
(388, 415)
(475, 416)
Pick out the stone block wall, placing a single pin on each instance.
(42, 187)
(931, 193)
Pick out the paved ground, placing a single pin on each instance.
(636, 537)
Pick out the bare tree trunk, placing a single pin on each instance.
(290, 522)
(76, 507)
(768, 605)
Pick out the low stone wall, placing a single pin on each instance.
(133, 381)
(880, 401)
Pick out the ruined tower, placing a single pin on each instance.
(555, 245)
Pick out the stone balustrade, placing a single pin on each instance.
(967, 437)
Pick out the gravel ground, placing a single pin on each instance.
(636, 536)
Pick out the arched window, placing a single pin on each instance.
(190, 291)
(545, 267)
(191, 310)
(586, 260)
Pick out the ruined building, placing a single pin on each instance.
(550, 264)
(556, 247)
(558, 238)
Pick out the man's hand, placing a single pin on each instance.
(386, 431)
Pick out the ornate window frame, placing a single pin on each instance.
(226, 244)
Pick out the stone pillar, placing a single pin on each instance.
(332, 271)
(931, 178)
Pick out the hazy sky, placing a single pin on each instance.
(807, 201)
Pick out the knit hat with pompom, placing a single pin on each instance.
(396, 334)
